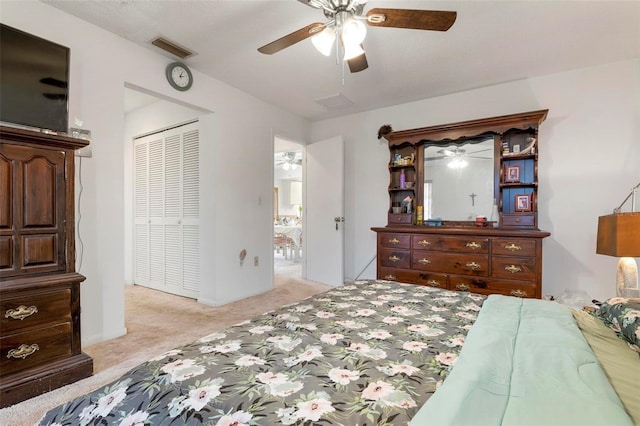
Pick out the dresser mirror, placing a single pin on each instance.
(459, 178)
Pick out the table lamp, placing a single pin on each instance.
(619, 236)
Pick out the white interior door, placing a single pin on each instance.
(166, 213)
(324, 211)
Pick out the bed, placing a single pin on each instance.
(367, 353)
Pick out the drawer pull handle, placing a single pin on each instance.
(424, 261)
(518, 293)
(513, 269)
(462, 287)
(394, 258)
(21, 312)
(473, 245)
(394, 241)
(390, 277)
(23, 351)
(512, 247)
(424, 243)
(433, 283)
(473, 266)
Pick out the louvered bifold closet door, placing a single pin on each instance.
(172, 245)
(141, 212)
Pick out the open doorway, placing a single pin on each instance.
(288, 209)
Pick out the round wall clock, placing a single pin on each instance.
(179, 76)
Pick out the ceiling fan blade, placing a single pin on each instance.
(359, 63)
(291, 39)
(312, 3)
(434, 20)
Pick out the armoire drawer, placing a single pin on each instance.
(34, 348)
(34, 311)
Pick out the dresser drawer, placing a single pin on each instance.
(402, 241)
(518, 220)
(462, 244)
(513, 247)
(514, 268)
(413, 277)
(492, 286)
(34, 348)
(394, 258)
(450, 263)
(35, 310)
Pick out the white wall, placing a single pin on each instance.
(589, 160)
(236, 150)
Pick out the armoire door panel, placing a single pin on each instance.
(39, 249)
(6, 193)
(39, 195)
(36, 214)
(6, 253)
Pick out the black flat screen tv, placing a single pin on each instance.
(34, 81)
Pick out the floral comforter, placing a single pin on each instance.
(370, 352)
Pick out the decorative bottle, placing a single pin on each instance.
(495, 215)
(402, 179)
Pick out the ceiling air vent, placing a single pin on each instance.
(172, 48)
(335, 102)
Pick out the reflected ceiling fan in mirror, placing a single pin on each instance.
(346, 28)
(289, 160)
(456, 156)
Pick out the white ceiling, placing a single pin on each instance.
(491, 42)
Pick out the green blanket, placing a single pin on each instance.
(525, 362)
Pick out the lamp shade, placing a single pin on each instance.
(619, 235)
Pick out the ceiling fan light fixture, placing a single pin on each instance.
(352, 51)
(323, 41)
(353, 32)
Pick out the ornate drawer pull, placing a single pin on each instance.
(424, 261)
(23, 351)
(512, 247)
(473, 266)
(433, 283)
(394, 241)
(462, 287)
(424, 243)
(21, 312)
(513, 268)
(394, 258)
(473, 245)
(390, 277)
(518, 293)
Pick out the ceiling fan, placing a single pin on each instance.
(346, 29)
(289, 160)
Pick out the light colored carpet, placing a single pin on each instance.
(157, 322)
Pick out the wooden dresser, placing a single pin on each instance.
(40, 346)
(483, 260)
(437, 176)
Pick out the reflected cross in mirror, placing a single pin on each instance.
(473, 198)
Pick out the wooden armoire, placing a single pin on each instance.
(40, 346)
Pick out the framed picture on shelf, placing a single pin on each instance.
(511, 173)
(522, 203)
